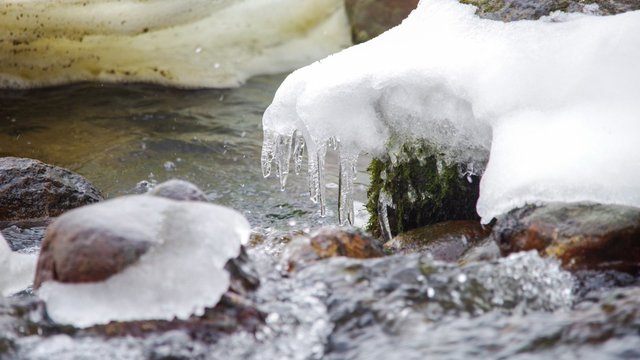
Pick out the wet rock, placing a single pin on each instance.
(233, 313)
(511, 10)
(353, 244)
(420, 189)
(22, 238)
(445, 241)
(179, 190)
(581, 235)
(370, 18)
(328, 243)
(30, 190)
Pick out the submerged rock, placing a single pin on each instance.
(581, 235)
(445, 241)
(370, 18)
(31, 190)
(421, 189)
(179, 190)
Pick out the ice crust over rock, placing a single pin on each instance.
(555, 102)
(16, 269)
(179, 277)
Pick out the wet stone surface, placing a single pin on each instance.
(446, 241)
(581, 235)
(32, 190)
(370, 18)
(512, 10)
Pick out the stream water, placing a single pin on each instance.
(125, 139)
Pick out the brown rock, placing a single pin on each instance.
(445, 241)
(581, 235)
(333, 242)
(31, 190)
(370, 18)
(328, 243)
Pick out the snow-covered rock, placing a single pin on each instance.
(180, 272)
(554, 102)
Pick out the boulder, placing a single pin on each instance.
(581, 235)
(446, 241)
(370, 18)
(32, 190)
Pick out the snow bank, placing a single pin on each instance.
(187, 43)
(16, 270)
(179, 277)
(555, 102)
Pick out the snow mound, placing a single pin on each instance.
(16, 269)
(179, 277)
(186, 43)
(554, 102)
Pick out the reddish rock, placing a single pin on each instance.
(334, 242)
(445, 241)
(329, 243)
(31, 190)
(370, 18)
(581, 235)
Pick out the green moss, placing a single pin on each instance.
(423, 189)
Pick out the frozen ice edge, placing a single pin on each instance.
(179, 277)
(553, 101)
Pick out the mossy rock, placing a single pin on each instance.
(423, 188)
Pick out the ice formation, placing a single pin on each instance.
(555, 102)
(188, 43)
(16, 269)
(179, 277)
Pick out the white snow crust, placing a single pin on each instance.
(546, 110)
(16, 269)
(181, 276)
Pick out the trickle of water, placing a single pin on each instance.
(384, 202)
(348, 160)
(298, 151)
(283, 157)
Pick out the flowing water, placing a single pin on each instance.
(125, 139)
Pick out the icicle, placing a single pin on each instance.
(384, 202)
(316, 177)
(333, 143)
(345, 187)
(283, 157)
(298, 151)
(268, 150)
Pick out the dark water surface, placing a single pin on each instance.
(119, 136)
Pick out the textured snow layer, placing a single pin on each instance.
(16, 270)
(188, 43)
(555, 102)
(179, 277)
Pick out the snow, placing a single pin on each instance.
(16, 270)
(186, 43)
(545, 110)
(182, 275)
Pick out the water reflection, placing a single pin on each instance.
(120, 135)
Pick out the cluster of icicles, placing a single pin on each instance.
(280, 149)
